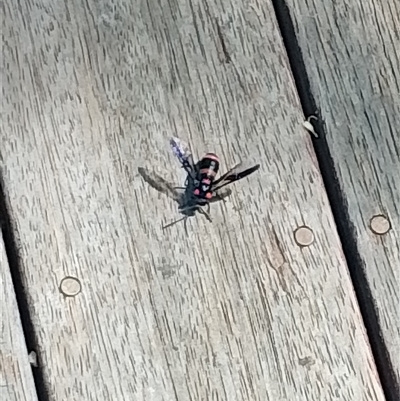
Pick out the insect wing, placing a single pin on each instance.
(181, 150)
(234, 174)
(158, 183)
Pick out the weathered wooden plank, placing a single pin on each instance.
(234, 311)
(16, 379)
(351, 52)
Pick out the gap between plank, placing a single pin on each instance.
(13, 258)
(339, 206)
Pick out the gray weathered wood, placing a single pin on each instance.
(16, 380)
(351, 52)
(234, 311)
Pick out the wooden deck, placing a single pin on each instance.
(353, 66)
(236, 310)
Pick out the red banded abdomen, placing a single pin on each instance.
(208, 166)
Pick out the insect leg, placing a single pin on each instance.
(174, 222)
(220, 195)
(205, 214)
(184, 209)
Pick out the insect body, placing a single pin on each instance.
(207, 169)
(201, 186)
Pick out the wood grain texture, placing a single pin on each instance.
(234, 311)
(16, 379)
(351, 52)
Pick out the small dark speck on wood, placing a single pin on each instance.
(307, 361)
(223, 44)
